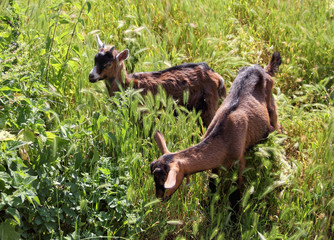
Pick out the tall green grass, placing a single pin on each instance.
(74, 164)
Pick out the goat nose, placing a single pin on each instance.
(91, 78)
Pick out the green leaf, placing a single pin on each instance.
(30, 199)
(7, 231)
(50, 136)
(6, 199)
(95, 156)
(214, 232)
(89, 6)
(5, 177)
(27, 100)
(28, 135)
(13, 89)
(15, 213)
(64, 21)
(17, 144)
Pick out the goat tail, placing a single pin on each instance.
(221, 87)
(274, 63)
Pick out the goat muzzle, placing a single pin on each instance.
(92, 79)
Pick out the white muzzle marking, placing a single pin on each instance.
(93, 75)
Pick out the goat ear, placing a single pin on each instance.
(99, 42)
(273, 65)
(123, 55)
(171, 179)
(160, 140)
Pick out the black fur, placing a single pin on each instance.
(186, 65)
(181, 67)
(160, 172)
(101, 60)
(275, 62)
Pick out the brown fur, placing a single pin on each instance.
(246, 116)
(205, 86)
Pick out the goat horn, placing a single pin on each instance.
(112, 49)
(99, 42)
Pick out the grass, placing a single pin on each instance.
(74, 164)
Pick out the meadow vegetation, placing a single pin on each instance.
(74, 163)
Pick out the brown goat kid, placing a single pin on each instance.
(247, 115)
(204, 85)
